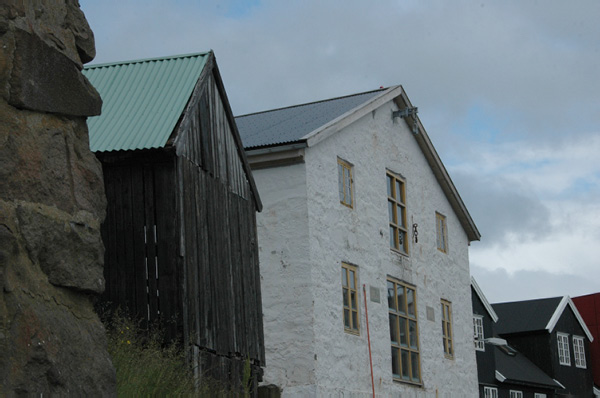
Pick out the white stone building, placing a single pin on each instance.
(352, 187)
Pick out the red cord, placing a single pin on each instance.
(369, 339)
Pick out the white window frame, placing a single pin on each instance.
(579, 352)
(539, 395)
(564, 355)
(516, 394)
(490, 392)
(478, 336)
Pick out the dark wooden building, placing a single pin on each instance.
(503, 371)
(180, 230)
(550, 333)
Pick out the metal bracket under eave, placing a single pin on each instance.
(402, 113)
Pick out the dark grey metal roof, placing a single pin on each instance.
(518, 369)
(292, 124)
(525, 316)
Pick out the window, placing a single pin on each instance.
(564, 356)
(539, 395)
(402, 307)
(579, 352)
(490, 392)
(447, 328)
(397, 213)
(345, 183)
(350, 298)
(516, 394)
(442, 233)
(478, 332)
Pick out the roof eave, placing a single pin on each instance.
(335, 125)
(440, 171)
(566, 300)
(484, 300)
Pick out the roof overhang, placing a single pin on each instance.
(484, 300)
(566, 300)
(439, 170)
(276, 155)
(335, 125)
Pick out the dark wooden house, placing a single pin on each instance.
(551, 333)
(503, 371)
(180, 230)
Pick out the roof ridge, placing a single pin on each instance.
(142, 60)
(528, 300)
(313, 102)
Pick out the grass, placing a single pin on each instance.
(145, 367)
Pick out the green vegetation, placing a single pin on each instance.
(145, 367)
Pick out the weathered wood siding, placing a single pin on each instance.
(140, 237)
(218, 234)
(180, 238)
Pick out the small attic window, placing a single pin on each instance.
(345, 183)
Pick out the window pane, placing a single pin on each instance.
(399, 197)
(391, 217)
(401, 300)
(445, 345)
(414, 359)
(412, 333)
(348, 183)
(352, 278)
(394, 328)
(345, 294)
(395, 362)
(410, 301)
(403, 339)
(392, 237)
(399, 216)
(405, 366)
(354, 320)
(391, 301)
(344, 278)
(401, 240)
(353, 299)
(390, 186)
(346, 318)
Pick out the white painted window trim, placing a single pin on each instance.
(579, 352)
(490, 392)
(564, 355)
(478, 337)
(516, 394)
(539, 395)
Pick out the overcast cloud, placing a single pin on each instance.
(509, 92)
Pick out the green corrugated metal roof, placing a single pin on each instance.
(142, 100)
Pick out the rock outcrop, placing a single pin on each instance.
(52, 203)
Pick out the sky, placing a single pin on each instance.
(508, 91)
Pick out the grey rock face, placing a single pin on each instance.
(52, 203)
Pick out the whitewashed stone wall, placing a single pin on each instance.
(305, 234)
